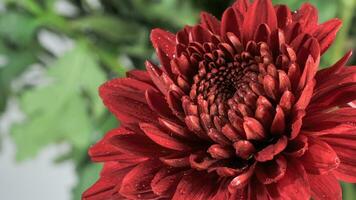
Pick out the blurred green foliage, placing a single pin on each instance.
(108, 36)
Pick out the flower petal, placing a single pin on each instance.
(254, 17)
(135, 144)
(307, 16)
(165, 139)
(106, 186)
(320, 157)
(137, 183)
(294, 185)
(193, 186)
(165, 181)
(229, 23)
(344, 144)
(125, 99)
(326, 33)
(271, 171)
(272, 150)
(325, 187)
(210, 22)
(165, 43)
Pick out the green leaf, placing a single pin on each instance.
(17, 27)
(66, 109)
(87, 176)
(108, 27)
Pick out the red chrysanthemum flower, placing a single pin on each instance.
(237, 110)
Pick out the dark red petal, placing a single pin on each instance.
(297, 122)
(326, 33)
(320, 157)
(306, 96)
(241, 180)
(165, 139)
(284, 16)
(104, 150)
(155, 73)
(294, 185)
(229, 23)
(125, 98)
(297, 147)
(279, 123)
(307, 16)
(165, 181)
(210, 22)
(324, 74)
(271, 171)
(106, 186)
(165, 43)
(262, 34)
(200, 34)
(257, 190)
(135, 144)
(137, 183)
(254, 17)
(139, 75)
(244, 149)
(272, 150)
(241, 6)
(343, 143)
(157, 103)
(193, 186)
(325, 187)
(334, 95)
(253, 129)
(176, 160)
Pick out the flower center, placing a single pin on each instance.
(234, 90)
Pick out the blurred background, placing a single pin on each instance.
(53, 56)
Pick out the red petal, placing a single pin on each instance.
(254, 129)
(334, 95)
(254, 17)
(257, 191)
(326, 33)
(164, 139)
(229, 23)
(241, 180)
(210, 22)
(193, 186)
(271, 171)
(165, 43)
(307, 16)
(137, 183)
(324, 74)
(125, 98)
(200, 34)
(297, 122)
(165, 181)
(135, 144)
(320, 157)
(262, 34)
(325, 187)
(344, 144)
(272, 150)
(139, 75)
(297, 147)
(157, 103)
(306, 96)
(284, 16)
(279, 123)
(106, 186)
(241, 6)
(294, 185)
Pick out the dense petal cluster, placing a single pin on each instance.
(236, 110)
